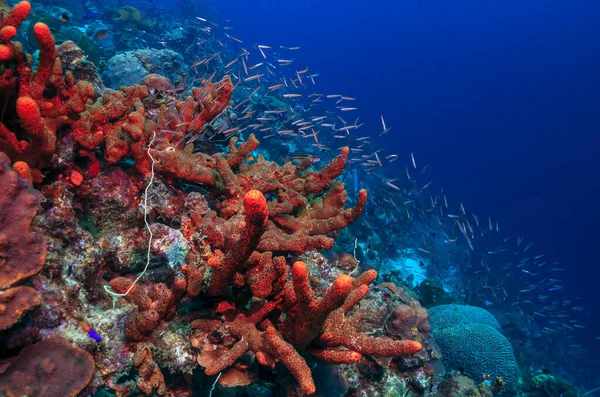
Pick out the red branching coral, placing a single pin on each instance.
(277, 330)
(49, 368)
(34, 137)
(268, 346)
(50, 99)
(307, 208)
(117, 120)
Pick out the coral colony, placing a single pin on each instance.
(235, 264)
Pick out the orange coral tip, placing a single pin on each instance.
(342, 282)
(41, 29)
(414, 347)
(27, 108)
(299, 270)
(22, 8)
(6, 53)
(76, 178)
(255, 202)
(22, 168)
(224, 306)
(7, 33)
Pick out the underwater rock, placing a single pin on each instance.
(82, 40)
(457, 385)
(547, 385)
(74, 60)
(170, 244)
(131, 16)
(157, 83)
(131, 67)
(110, 197)
(432, 293)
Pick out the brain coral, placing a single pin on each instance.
(446, 316)
(470, 340)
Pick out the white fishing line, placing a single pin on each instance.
(108, 288)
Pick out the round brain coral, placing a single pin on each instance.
(470, 340)
(478, 349)
(446, 316)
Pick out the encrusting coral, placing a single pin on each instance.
(49, 368)
(22, 251)
(255, 216)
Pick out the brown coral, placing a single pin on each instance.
(50, 368)
(14, 302)
(22, 252)
(154, 303)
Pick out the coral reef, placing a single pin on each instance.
(431, 293)
(168, 250)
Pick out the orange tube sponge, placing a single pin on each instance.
(47, 58)
(269, 347)
(17, 14)
(336, 356)
(6, 53)
(32, 121)
(306, 314)
(29, 113)
(256, 214)
(22, 168)
(7, 33)
(341, 331)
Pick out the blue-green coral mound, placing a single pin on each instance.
(470, 340)
(446, 316)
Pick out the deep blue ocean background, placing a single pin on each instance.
(501, 98)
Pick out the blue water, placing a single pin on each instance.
(502, 99)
